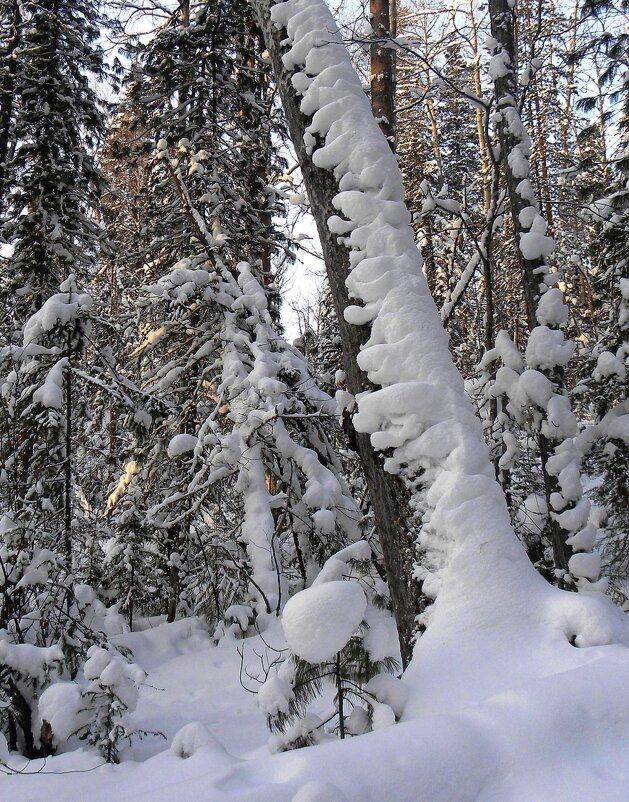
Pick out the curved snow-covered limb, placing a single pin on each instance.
(258, 528)
(417, 412)
(547, 350)
(262, 380)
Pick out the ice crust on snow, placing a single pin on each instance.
(319, 621)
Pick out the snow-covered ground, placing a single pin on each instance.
(492, 716)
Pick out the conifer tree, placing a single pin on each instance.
(51, 189)
(355, 653)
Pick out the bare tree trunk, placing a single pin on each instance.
(567, 117)
(388, 493)
(340, 700)
(483, 145)
(382, 68)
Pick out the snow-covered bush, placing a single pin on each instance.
(49, 625)
(340, 633)
(25, 669)
(98, 710)
(111, 695)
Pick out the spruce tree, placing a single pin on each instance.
(51, 189)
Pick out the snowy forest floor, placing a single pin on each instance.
(492, 731)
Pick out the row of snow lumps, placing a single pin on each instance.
(349, 148)
(335, 100)
(418, 413)
(426, 425)
(365, 212)
(407, 342)
(530, 388)
(407, 352)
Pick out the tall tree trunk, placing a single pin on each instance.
(483, 145)
(503, 28)
(388, 493)
(567, 117)
(382, 68)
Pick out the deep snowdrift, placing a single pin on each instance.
(492, 715)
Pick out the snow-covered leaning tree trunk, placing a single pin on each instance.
(389, 495)
(436, 471)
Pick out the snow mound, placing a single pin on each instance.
(153, 645)
(63, 707)
(181, 444)
(275, 696)
(319, 621)
(195, 737)
(390, 691)
(383, 716)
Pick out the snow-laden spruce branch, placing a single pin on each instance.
(418, 414)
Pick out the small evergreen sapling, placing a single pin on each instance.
(98, 708)
(340, 634)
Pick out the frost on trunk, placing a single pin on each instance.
(537, 390)
(417, 413)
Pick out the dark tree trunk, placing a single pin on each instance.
(389, 496)
(382, 67)
(340, 700)
(20, 715)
